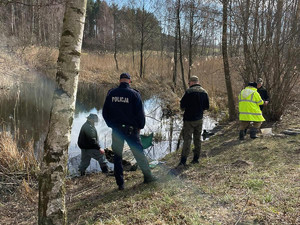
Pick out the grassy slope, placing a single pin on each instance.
(250, 182)
(254, 181)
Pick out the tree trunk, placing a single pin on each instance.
(142, 44)
(247, 72)
(276, 108)
(115, 38)
(133, 33)
(52, 190)
(171, 133)
(175, 55)
(180, 46)
(13, 22)
(191, 36)
(231, 105)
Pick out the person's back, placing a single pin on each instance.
(125, 107)
(249, 101)
(249, 111)
(194, 102)
(123, 111)
(88, 138)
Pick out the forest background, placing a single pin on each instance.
(164, 42)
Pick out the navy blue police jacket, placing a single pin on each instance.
(123, 106)
(194, 102)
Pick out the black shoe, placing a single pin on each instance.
(253, 132)
(182, 161)
(148, 180)
(109, 173)
(104, 169)
(195, 161)
(82, 173)
(121, 187)
(242, 135)
(181, 166)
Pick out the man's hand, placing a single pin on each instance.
(102, 152)
(266, 102)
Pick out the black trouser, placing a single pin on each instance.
(131, 136)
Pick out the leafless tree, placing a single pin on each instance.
(270, 31)
(178, 8)
(231, 105)
(115, 31)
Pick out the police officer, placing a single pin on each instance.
(89, 144)
(249, 111)
(194, 102)
(123, 111)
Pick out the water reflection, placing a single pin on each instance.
(25, 112)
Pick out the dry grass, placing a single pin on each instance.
(13, 159)
(100, 68)
(18, 172)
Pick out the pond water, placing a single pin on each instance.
(24, 111)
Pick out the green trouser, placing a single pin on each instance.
(87, 154)
(247, 124)
(191, 130)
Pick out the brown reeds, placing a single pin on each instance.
(13, 159)
(100, 68)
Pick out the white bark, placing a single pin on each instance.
(52, 209)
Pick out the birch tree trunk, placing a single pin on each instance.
(52, 190)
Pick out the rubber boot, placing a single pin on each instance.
(242, 135)
(179, 168)
(195, 159)
(150, 179)
(82, 173)
(182, 164)
(104, 169)
(253, 132)
(182, 161)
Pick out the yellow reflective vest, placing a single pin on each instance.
(249, 101)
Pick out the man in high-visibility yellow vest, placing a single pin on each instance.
(249, 111)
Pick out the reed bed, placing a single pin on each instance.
(100, 68)
(18, 169)
(14, 159)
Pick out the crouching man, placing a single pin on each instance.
(89, 144)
